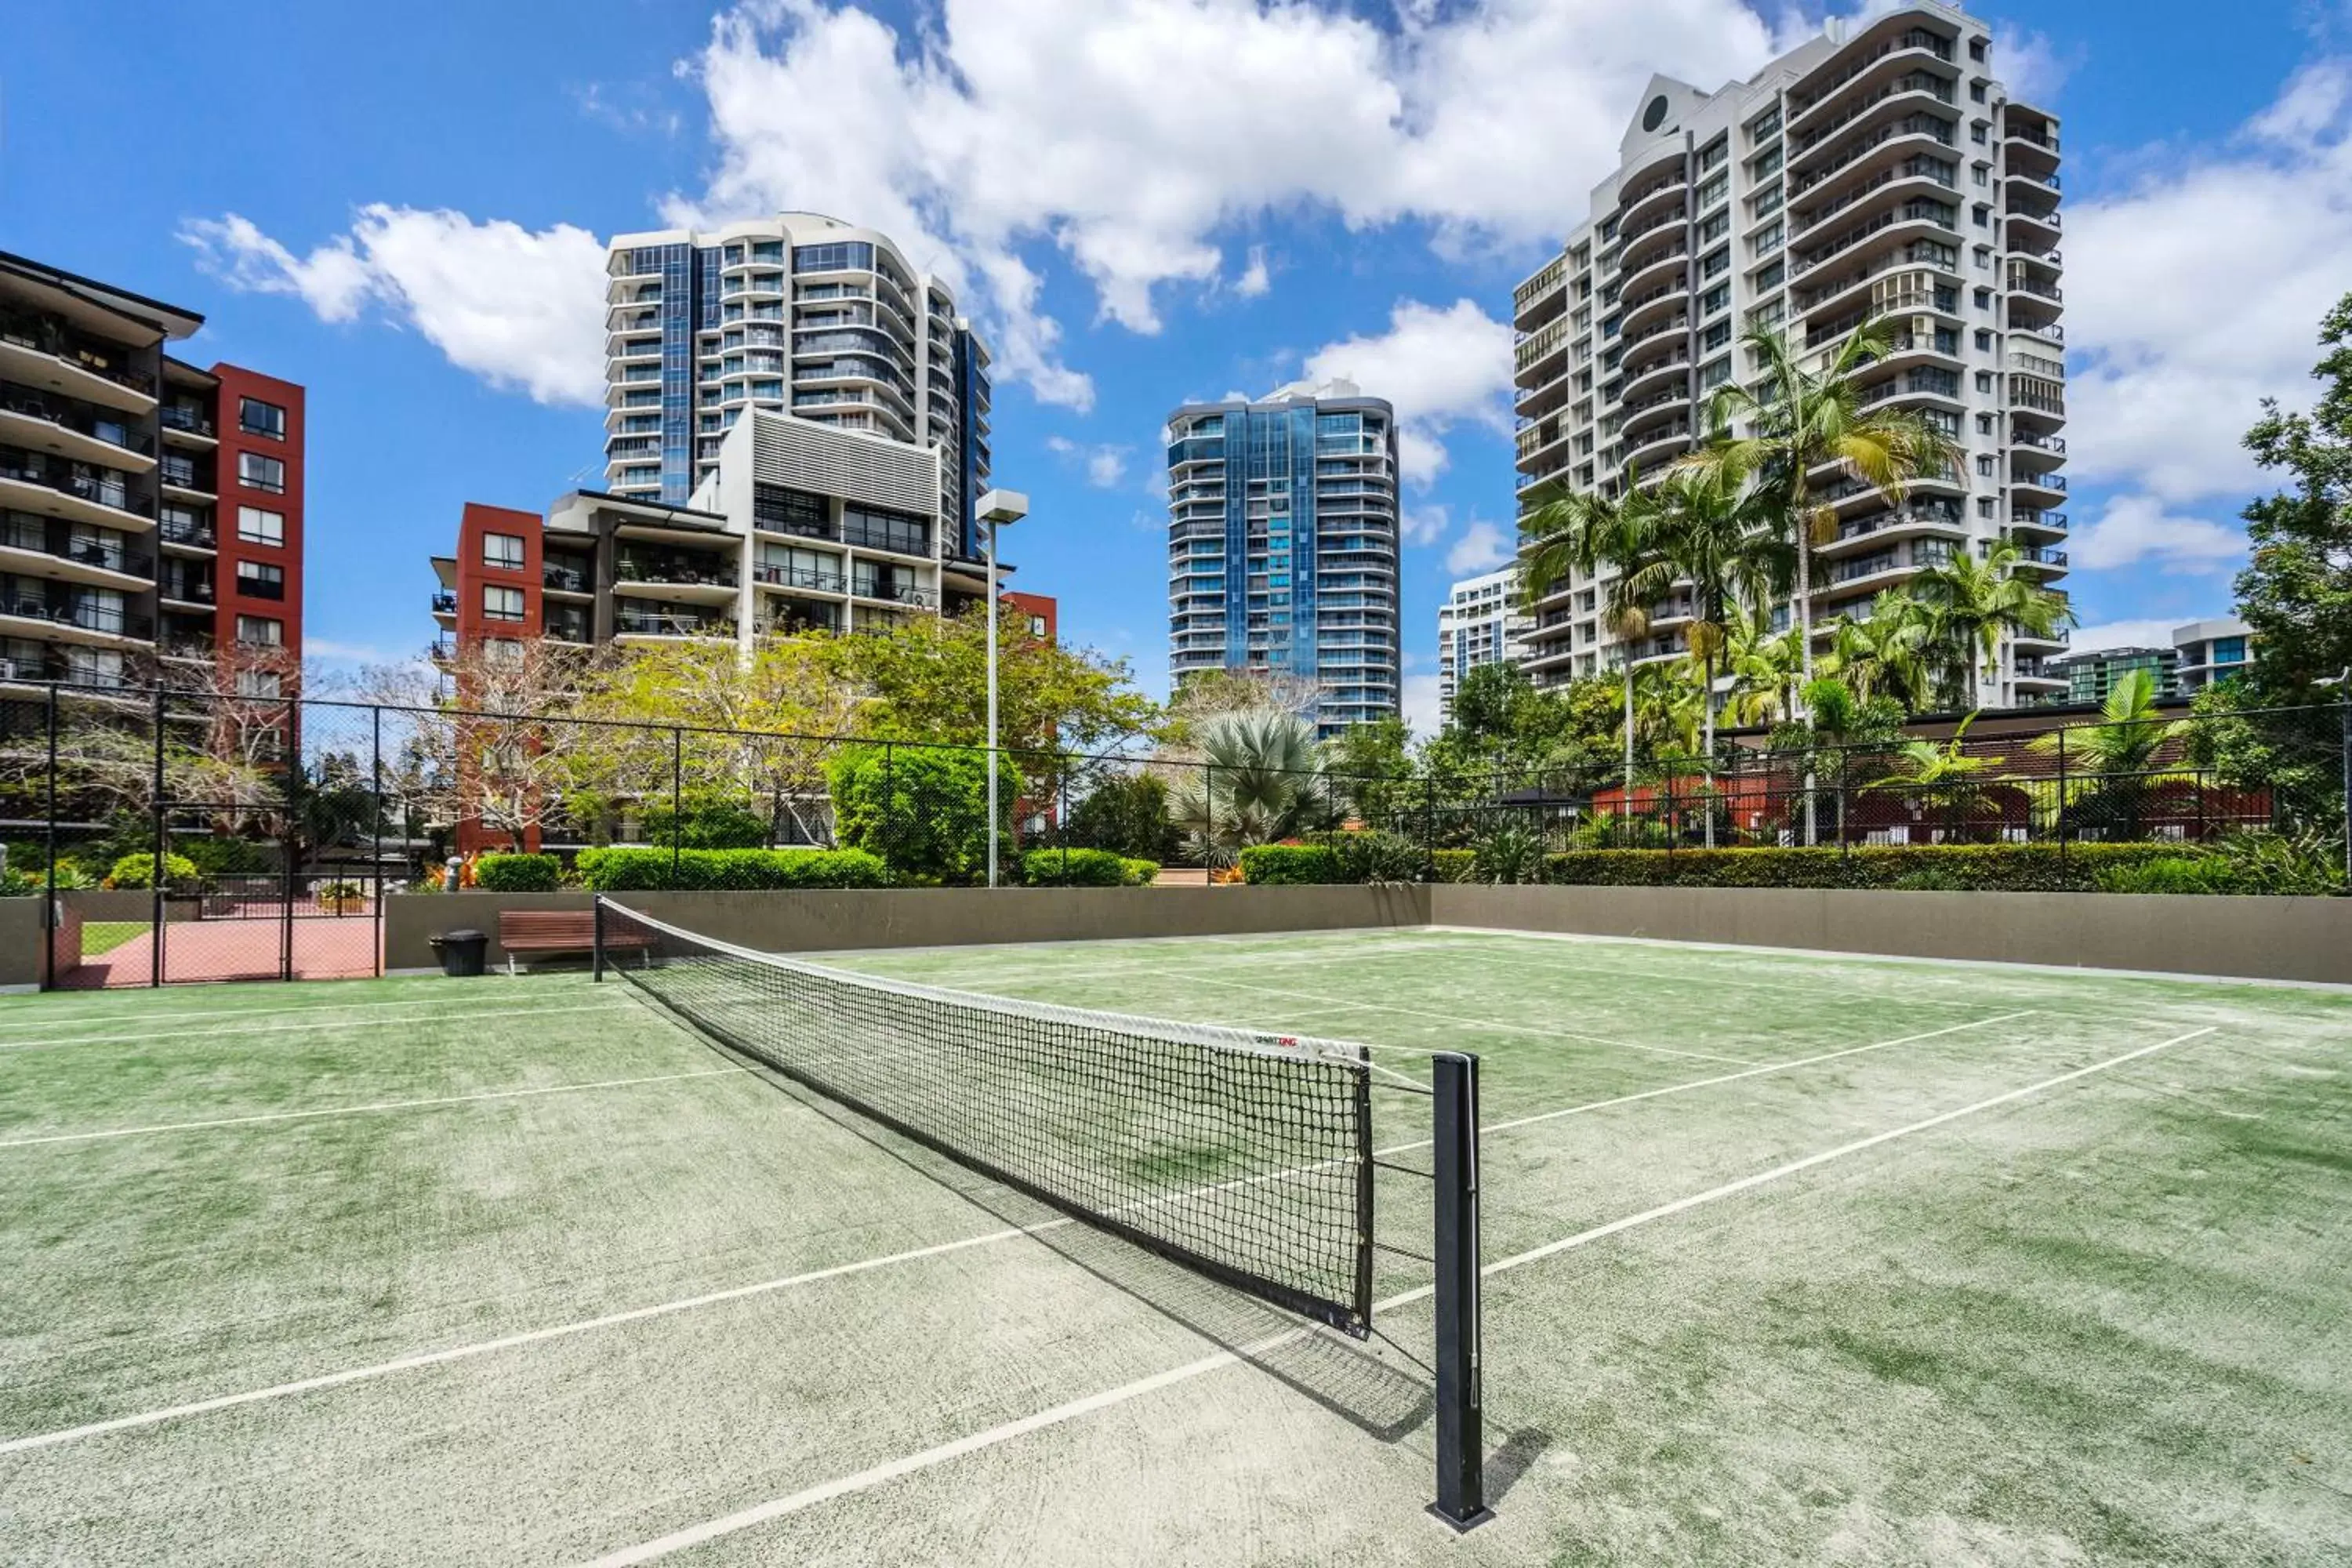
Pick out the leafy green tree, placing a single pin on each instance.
(927, 680)
(1369, 766)
(1126, 814)
(922, 809)
(1886, 652)
(1945, 773)
(1571, 533)
(1973, 602)
(2296, 592)
(1782, 425)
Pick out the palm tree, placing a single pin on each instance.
(1790, 420)
(1256, 783)
(1886, 650)
(1700, 531)
(1945, 773)
(1975, 601)
(1764, 666)
(1572, 532)
(2120, 752)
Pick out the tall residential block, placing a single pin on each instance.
(149, 509)
(1282, 545)
(1879, 173)
(1481, 622)
(797, 313)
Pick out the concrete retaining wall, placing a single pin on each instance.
(2252, 938)
(20, 943)
(928, 917)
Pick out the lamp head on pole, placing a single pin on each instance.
(997, 507)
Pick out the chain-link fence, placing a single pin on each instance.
(209, 834)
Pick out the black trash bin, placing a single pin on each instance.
(463, 952)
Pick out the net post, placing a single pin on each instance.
(1460, 1445)
(596, 938)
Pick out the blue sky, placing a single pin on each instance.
(1145, 200)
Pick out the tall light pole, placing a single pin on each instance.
(995, 509)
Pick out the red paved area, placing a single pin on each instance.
(339, 949)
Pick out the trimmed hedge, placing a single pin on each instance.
(1290, 865)
(1457, 865)
(1086, 869)
(518, 873)
(1977, 868)
(139, 871)
(747, 870)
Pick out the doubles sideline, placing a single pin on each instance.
(378, 1107)
(69, 1022)
(183, 1036)
(1059, 1415)
(836, 1271)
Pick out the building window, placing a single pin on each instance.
(260, 580)
(501, 604)
(1715, 299)
(1714, 191)
(259, 683)
(257, 473)
(503, 551)
(256, 526)
(1984, 465)
(260, 631)
(1772, 278)
(1715, 374)
(255, 418)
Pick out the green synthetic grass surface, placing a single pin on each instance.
(105, 936)
(2102, 1324)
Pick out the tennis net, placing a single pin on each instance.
(1245, 1156)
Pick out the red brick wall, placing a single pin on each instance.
(236, 385)
(474, 573)
(1026, 606)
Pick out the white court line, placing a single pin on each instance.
(379, 1106)
(69, 1022)
(560, 1331)
(1821, 990)
(878, 1475)
(182, 1036)
(1544, 1033)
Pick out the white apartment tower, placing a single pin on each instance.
(1879, 172)
(1480, 623)
(797, 313)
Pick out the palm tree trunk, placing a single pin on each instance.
(1805, 645)
(1628, 812)
(1707, 758)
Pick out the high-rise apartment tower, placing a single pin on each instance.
(1878, 173)
(798, 314)
(1481, 622)
(1282, 544)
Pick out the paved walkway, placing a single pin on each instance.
(194, 950)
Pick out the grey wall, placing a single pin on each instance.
(20, 943)
(928, 917)
(2262, 939)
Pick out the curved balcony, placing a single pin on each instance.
(35, 353)
(1657, 217)
(1878, 95)
(1917, 132)
(1651, 198)
(1659, 447)
(1668, 373)
(1654, 262)
(1876, 528)
(2032, 230)
(1641, 311)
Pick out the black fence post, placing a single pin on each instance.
(2064, 810)
(163, 849)
(375, 833)
(1429, 824)
(1209, 823)
(50, 839)
(2343, 719)
(889, 824)
(676, 800)
(1460, 1445)
(1062, 817)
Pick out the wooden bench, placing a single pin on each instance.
(524, 932)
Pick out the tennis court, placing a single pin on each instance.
(1791, 1259)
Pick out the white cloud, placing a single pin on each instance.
(1105, 465)
(519, 309)
(1256, 280)
(2136, 528)
(1483, 547)
(1424, 524)
(1132, 135)
(1421, 702)
(1439, 367)
(2031, 66)
(2125, 634)
(2198, 292)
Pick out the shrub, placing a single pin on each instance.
(1290, 865)
(1508, 853)
(923, 809)
(139, 871)
(1457, 865)
(710, 825)
(15, 884)
(1136, 872)
(1982, 867)
(1381, 857)
(1073, 868)
(517, 873)
(2174, 874)
(699, 870)
(2309, 863)
(1127, 814)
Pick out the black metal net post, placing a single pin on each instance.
(1461, 1444)
(2343, 723)
(50, 912)
(163, 846)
